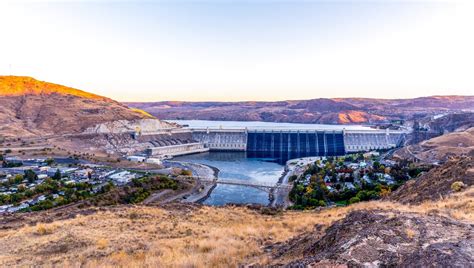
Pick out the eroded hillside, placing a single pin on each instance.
(30, 107)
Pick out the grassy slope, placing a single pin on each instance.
(21, 85)
(191, 236)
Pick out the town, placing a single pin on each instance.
(43, 183)
(350, 179)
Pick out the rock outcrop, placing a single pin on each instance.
(390, 239)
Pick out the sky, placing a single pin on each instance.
(242, 50)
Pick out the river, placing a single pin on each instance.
(236, 165)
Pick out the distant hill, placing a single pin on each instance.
(327, 111)
(31, 107)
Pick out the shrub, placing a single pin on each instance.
(457, 186)
(185, 172)
(354, 200)
(42, 229)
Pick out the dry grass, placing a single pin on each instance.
(187, 237)
(44, 229)
(410, 233)
(102, 243)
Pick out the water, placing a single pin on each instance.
(256, 125)
(248, 165)
(236, 165)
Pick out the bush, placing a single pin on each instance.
(457, 186)
(42, 229)
(186, 172)
(354, 200)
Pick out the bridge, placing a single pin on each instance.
(265, 186)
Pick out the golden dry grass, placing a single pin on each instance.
(186, 237)
(140, 111)
(20, 85)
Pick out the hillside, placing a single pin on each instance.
(440, 148)
(29, 107)
(179, 235)
(436, 183)
(327, 111)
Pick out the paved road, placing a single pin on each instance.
(280, 195)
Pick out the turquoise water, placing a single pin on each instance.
(235, 165)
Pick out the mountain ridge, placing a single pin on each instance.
(321, 110)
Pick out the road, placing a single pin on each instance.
(202, 188)
(292, 167)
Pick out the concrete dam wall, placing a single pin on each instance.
(293, 144)
(297, 143)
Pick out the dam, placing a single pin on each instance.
(286, 141)
(292, 143)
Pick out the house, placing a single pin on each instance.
(136, 158)
(349, 185)
(153, 161)
(63, 170)
(371, 154)
(122, 177)
(42, 176)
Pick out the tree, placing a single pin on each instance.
(49, 161)
(376, 165)
(57, 175)
(30, 175)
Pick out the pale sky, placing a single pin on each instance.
(247, 50)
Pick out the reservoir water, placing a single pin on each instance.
(264, 125)
(236, 165)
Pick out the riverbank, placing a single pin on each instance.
(202, 189)
(292, 167)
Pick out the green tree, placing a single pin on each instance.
(30, 175)
(57, 175)
(49, 161)
(354, 200)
